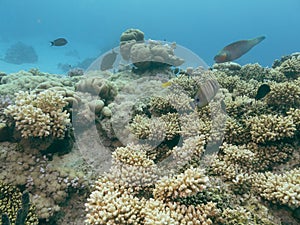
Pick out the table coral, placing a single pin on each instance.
(39, 115)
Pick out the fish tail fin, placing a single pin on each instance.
(52, 43)
(166, 84)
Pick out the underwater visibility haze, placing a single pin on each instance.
(149, 112)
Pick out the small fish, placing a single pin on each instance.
(237, 49)
(59, 42)
(262, 91)
(166, 84)
(108, 60)
(206, 93)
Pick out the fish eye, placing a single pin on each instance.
(197, 100)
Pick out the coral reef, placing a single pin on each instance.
(20, 53)
(162, 157)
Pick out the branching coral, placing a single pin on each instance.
(186, 184)
(284, 96)
(291, 67)
(279, 188)
(266, 128)
(40, 115)
(109, 204)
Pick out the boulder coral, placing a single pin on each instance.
(147, 55)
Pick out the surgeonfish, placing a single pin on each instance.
(59, 42)
(236, 49)
(262, 91)
(206, 92)
(108, 60)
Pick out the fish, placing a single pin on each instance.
(108, 60)
(206, 92)
(262, 91)
(59, 42)
(236, 49)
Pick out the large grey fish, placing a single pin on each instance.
(236, 49)
(59, 42)
(108, 60)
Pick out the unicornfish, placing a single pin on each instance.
(236, 49)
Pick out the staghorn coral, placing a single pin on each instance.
(132, 168)
(295, 115)
(108, 204)
(279, 188)
(112, 203)
(266, 128)
(291, 67)
(254, 71)
(192, 147)
(39, 115)
(160, 105)
(186, 184)
(161, 128)
(284, 96)
(236, 132)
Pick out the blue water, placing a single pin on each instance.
(94, 26)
